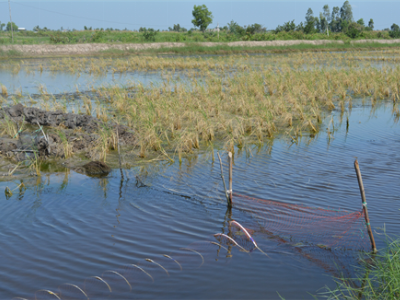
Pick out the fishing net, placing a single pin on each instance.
(332, 239)
(306, 226)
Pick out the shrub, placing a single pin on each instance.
(97, 36)
(61, 38)
(149, 34)
(354, 30)
(394, 31)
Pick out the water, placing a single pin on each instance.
(66, 227)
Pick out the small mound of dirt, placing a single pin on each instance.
(94, 168)
(66, 134)
(34, 116)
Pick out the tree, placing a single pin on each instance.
(310, 22)
(335, 19)
(14, 27)
(300, 27)
(2, 26)
(255, 28)
(395, 27)
(361, 22)
(371, 24)
(318, 24)
(394, 31)
(354, 30)
(327, 13)
(346, 12)
(323, 22)
(235, 28)
(202, 17)
(309, 16)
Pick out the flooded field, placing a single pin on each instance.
(61, 228)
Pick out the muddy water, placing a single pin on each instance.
(66, 227)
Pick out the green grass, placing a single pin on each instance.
(10, 53)
(99, 36)
(192, 42)
(379, 278)
(195, 48)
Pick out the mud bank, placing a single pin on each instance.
(79, 49)
(42, 135)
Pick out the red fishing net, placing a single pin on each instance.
(302, 226)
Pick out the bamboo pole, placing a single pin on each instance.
(119, 157)
(223, 180)
(12, 29)
(364, 204)
(230, 179)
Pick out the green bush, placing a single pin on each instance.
(98, 35)
(149, 34)
(61, 38)
(394, 31)
(354, 30)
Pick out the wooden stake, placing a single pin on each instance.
(119, 157)
(223, 179)
(364, 204)
(230, 179)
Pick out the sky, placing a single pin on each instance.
(74, 14)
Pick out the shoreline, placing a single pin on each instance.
(204, 47)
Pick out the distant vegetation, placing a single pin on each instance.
(335, 24)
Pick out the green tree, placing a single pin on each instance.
(323, 22)
(335, 19)
(354, 30)
(309, 15)
(318, 24)
(344, 25)
(310, 22)
(14, 27)
(371, 24)
(394, 31)
(300, 27)
(361, 22)
(346, 12)
(2, 26)
(202, 17)
(235, 28)
(327, 13)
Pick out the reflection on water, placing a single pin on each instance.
(66, 227)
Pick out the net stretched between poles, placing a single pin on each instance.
(302, 226)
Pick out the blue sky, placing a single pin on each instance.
(162, 14)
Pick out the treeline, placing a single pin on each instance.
(334, 24)
(335, 20)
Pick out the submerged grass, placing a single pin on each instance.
(380, 278)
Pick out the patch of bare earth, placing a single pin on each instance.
(95, 48)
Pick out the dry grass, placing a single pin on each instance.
(237, 99)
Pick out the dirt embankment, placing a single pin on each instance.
(95, 48)
(63, 134)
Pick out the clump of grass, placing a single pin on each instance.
(34, 163)
(4, 91)
(107, 141)
(379, 280)
(67, 146)
(10, 128)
